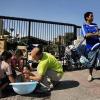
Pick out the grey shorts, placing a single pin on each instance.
(92, 57)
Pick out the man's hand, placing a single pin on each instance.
(26, 73)
(27, 76)
(99, 34)
(31, 76)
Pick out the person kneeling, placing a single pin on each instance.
(49, 69)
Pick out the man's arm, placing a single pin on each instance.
(31, 76)
(92, 35)
(86, 34)
(36, 78)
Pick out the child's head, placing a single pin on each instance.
(6, 55)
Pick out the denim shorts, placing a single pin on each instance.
(92, 56)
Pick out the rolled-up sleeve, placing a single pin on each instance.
(42, 67)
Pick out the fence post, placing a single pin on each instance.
(29, 29)
(28, 40)
(75, 32)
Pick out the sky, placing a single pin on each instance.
(67, 11)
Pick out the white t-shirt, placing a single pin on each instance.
(5, 68)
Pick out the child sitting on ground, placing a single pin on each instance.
(6, 75)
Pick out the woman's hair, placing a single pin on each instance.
(87, 15)
(19, 52)
(6, 55)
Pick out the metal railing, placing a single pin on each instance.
(46, 32)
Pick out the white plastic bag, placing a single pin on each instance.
(83, 60)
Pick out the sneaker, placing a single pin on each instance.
(90, 78)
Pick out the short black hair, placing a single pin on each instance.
(87, 15)
(6, 55)
(40, 46)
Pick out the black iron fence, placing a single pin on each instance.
(45, 30)
(38, 31)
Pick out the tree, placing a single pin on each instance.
(69, 37)
(51, 48)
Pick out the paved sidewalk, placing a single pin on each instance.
(73, 86)
(76, 87)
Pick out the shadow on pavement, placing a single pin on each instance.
(61, 86)
(66, 84)
(8, 93)
(96, 78)
(39, 95)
